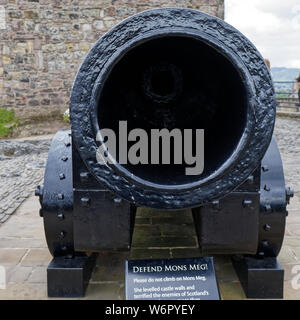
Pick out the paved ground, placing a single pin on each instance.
(22, 165)
(24, 253)
(287, 134)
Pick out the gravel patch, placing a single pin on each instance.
(287, 135)
(22, 166)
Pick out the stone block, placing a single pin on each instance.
(6, 60)
(37, 257)
(11, 256)
(38, 275)
(286, 255)
(290, 292)
(186, 253)
(104, 291)
(31, 14)
(110, 266)
(98, 25)
(19, 274)
(150, 253)
(24, 291)
(231, 291)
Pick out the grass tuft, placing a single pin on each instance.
(8, 122)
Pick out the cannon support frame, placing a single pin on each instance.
(75, 207)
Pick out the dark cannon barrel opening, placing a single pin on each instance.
(176, 82)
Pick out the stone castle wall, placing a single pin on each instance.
(43, 42)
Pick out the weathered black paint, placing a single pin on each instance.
(69, 277)
(260, 278)
(57, 197)
(238, 209)
(224, 39)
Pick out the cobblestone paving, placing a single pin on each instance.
(287, 134)
(22, 165)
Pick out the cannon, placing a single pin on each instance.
(165, 69)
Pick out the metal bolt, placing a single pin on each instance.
(268, 208)
(60, 196)
(289, 194)
(261, 254)
(247, 203)
(67, 144)
(84, 176)
(62, 234)
(267, 227)
(85, 201)
(250, 179)
(39, 191)
(216, 204)
(265, 243)
(60, 216)
(266, 188)
(64, 158)
(265, 168)
(61, 176)
(117, 201)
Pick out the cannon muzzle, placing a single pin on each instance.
(167, 69)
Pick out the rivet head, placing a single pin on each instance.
(216, 204)
(261, 254)
(60, 216)
(85, 201)
(268, 208)
(67, 144)
(62, 234)
(289, 194)
(117, 201)
(265, 168)
(61, 176)
(267, 227)
(60, 196)
(84, 176)
(250, 179)
(266, 188)
(247, 203)
(37, 191)
(64, 158)
(265, 243)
